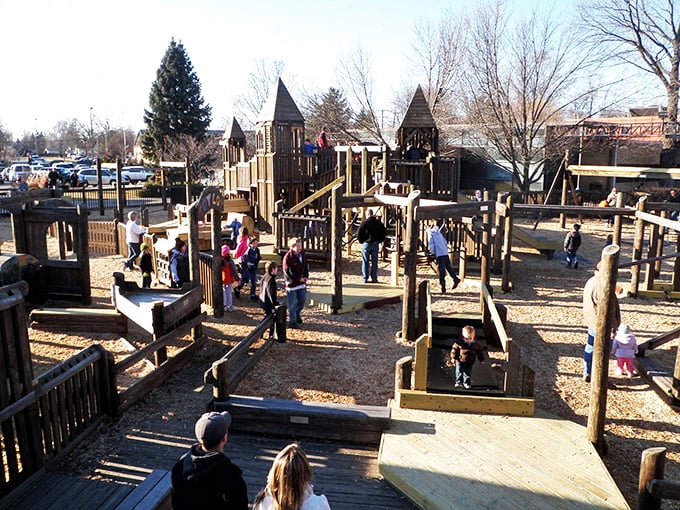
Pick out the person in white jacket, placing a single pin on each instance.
(624, 347)
(289, 484)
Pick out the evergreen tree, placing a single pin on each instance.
(329, 109)
(176, 105)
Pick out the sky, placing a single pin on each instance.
(66, 59)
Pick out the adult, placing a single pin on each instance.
(592, 299)
(53, 176)
(674, 198)
(133, 238)
(296, 272)
(323, 141)
(370, 234)
(205, 477)
(73, 179)
(179, 264)
(439, 247)
(289, 484)
(413, 153)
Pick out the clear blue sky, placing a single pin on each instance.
(63, 57)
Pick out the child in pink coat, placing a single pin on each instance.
(624, 347)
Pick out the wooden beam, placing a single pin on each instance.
(514, 406)
(659, 340)
(316, 195)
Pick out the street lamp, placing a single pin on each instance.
(91, 132)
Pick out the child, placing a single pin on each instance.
(249, 265)
(572, 242)
(268, 299)
(228, 278)
(624, 346)
(463, 354)
(146, 265)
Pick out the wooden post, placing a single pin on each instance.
(348, 171)
(637, 247)
(402, 375)
(528, 378)
(164, 194)
(651, 250)
(563, 199)
(364, 170)
(408, 326)
(220, 372)
(462, 262)
(485, 276)
(605, 324)
(158, 331)
(120, 199)
(513, 369)
(187, 177)
(659, 245)
(336, 247)
(192, 246)
(652, 465)
(675, 279)
(394, 268)
(507, 244)
(217, 294)
(280, 318)
(497, 237)
(618, 220)
(422, 308)
(676, 375)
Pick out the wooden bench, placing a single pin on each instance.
(319, 420)
(79, 320)
(153, 493)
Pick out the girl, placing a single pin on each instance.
(624, 346)
(228, 278)
(268, 299)
(289, 484)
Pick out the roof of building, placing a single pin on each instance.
(280, 107)
(234, 130)
(418, 113)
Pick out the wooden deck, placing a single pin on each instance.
(452, 461)
(347, 474)
(356, 296)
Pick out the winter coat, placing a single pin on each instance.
(229, 274)
(624, 346)
(295, 268)
(572, 241)
(467, 352)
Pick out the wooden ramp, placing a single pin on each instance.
(452, 461)
(536, 240)
(356, 296)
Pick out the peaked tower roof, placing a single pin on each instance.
(234, 131)
(418, 113)
(280, 107)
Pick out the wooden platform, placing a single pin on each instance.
(452, 461)
(536, 240)
(347, 474)
(356, 296)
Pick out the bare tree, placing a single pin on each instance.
(438, 58)
(644, 33)
(355, 78)
(201, 154)
(260, 82)
(518, 78)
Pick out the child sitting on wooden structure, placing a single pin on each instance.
(463, 353)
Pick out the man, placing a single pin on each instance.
(572, 242)
(133, 233)
(439, 247)
(204, 477)
(592, 298)
(370, 234)
(296, 272)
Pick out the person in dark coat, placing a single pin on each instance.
(370, 234)
(464, 352)
(205, 477)
(296, 272)
(268, 299)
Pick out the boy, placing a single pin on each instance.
(463, 354)
(572, 242)
(249, 265)
(146, 265)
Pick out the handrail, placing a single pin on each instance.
(496, 319)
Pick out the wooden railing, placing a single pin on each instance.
(315, 232)
(65, 404)
(652, 488)
(227, 372)
(205, 276)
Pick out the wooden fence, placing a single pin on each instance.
(314, 230)
(64, 405)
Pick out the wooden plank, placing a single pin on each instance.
(317, 194)
(152, 493)
(659, 340)
(516, 406)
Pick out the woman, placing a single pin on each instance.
(289, 484)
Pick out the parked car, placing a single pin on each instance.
(125, 180)
(17, 170)
(88, 177)
(138, 173)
